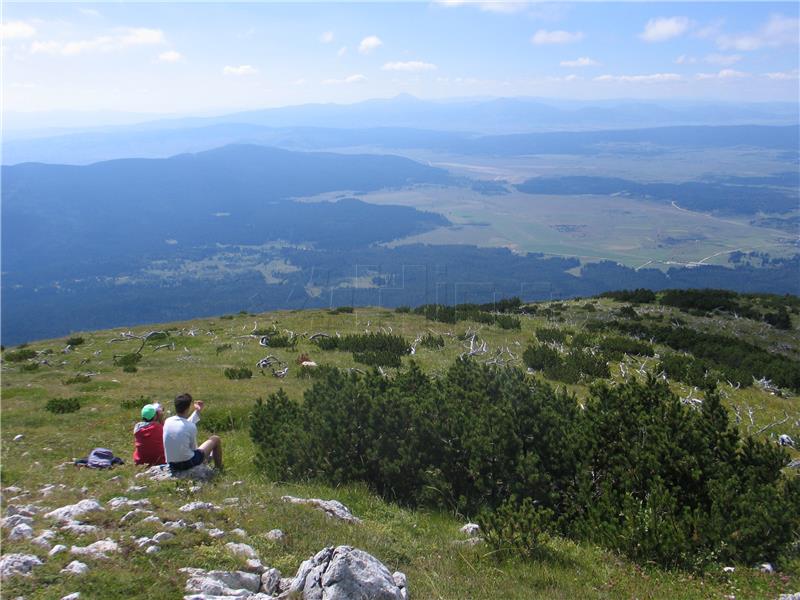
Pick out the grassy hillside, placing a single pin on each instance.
(193, 357)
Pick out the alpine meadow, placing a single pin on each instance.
(385, 300)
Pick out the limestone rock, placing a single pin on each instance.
(230, 501)
(14, 520)
(143, 541)
(18, 437)
(192, 506)
(57, 549)
(276, 535)
(216, 533)
(98, 550)
(136, 488)
(27, 510)
(163, 536)
(23, 531)
(238, 584)
(43, 539)
(72, 511)
(766, 568)
(332, 508)
(164, 473)
(241, 550)
(123, 501)
(470, 529)
(152, 549)
(75, 568)
(344, 572)
(175, 525)
(152, 519)
(271, 581)
(72, 596)
(239, 532)
(78, 528)
(254, 565)
(17, 564)
(132, 514)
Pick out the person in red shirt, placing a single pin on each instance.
(149, 437)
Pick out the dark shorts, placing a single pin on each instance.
(198, 459)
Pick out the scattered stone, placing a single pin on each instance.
(23, 531)
(276, 535)
(78, 528)
(136, 488)
(17, 564)
(230, 501)
(13, 489)
(728, 569)
(239, 532)
(43, 539)
(192, 506)
(344, 572)
(72, 511)
(57, 549)
(18, 437)
(195, 488)
(76, 568)
(116, 478)
(471, 529)
(271, 581)
(27, 510)
(216, 533)
(130, 515)
(97, 550)
(199, 526)
(122, 501)
(175, 525)
(223, 583)
(163, 473)
(152, 549)
(72, 596)
(142, 541)
(766, 568)
(235, 483)
(152, 519)
(332, 508)
(14, 520)
(241, 550)
(795, 596)
(163, 536)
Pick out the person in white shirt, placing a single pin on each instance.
(180, 438)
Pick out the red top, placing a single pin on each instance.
(149, 440)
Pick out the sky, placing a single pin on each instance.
(204, 58)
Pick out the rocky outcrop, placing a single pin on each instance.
(192, 506)
(164, 473)
(342, 573)
(71, 512)
(332, 508)
(98, 550)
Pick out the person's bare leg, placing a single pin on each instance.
(212, 448)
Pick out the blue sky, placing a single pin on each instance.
(200, 58)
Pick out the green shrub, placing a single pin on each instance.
(130, 369)
(551, 334)
(128, 360)
(637, 296)
(30, 367)
(222, 348)
(130, 403)
(19, 355)
(238, 373)
(615, 347)
(227, 317)
(63, 405)
(78, 378)
(217, 420)
(507, 322)
(75, 341)
(516, 528)
(379, 358)
(434, 342)
(341, 310)
(403, 309)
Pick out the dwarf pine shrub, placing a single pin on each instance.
(63, 405)
(238, 373)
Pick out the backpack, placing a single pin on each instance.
(100, 458)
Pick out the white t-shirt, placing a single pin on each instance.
(180, 438)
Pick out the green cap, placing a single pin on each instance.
(149, 411)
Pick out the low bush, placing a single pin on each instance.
(75, 341)
(130, 359)
(342, 310)
(63, 405)
(379, 358)
(30, 367)
(222, 348)
(403, 309)
(615, 347)
(433, 342)
(130, 403)
(78, 378)
(238, 373)
(551, 334)
(130, 369)
(19, 355)
(637, 296)
(516, 528)
(217, 420)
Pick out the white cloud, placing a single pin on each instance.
(369, 43)
(777, 31)
(583, 61)
(650, 78)
(507, 8)
(123, 38)
(723, 59)
(342, 51)
(357, 78)
(685, 60)
(662, 29)
(170, 56)
(782, 75)
(411, 66)
(326, 38)
(557, 36)
(240, 71)
(89, 12)
(16, 30)
(723, 74)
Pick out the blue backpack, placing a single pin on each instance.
(100, 458)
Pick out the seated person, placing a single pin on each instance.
(180, 438)
(148, 435)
